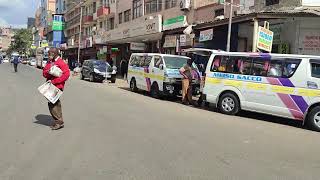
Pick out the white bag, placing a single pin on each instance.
(50, 92)
(55, 71)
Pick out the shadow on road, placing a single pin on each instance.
(43, 119)
(244, 114)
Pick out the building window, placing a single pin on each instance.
(152, 6)
(127, 15)
(170, 4)
(218, 12)
(120, 18)
(94, 7)
(111, 24)
(101, 25)
(137, 8)
(271, 2)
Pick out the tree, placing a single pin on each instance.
(22, 42)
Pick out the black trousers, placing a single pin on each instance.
(15, 67)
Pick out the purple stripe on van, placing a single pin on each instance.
(299, 100)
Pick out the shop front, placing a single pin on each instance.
(140, 35)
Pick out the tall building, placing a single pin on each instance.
(6, 34)
(31, 22)
(60, 6)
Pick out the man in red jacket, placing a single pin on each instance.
(59, 82)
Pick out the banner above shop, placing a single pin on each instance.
(265, 39)
(176, 22)
(206, 35)
(137, 46)
(140, 27)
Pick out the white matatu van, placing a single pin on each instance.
(278, 84)
(159, 74)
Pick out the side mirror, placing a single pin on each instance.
(161, 67)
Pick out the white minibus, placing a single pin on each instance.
(159, 74)
(282, 85)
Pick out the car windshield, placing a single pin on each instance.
(175, 62)
(101, 65)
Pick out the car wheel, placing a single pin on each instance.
(154, 92)
(91, 78)
(313, 119)
(229, 104)
(133, 85)
(81, 76)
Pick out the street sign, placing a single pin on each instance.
(265, 39)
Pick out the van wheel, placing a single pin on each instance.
(133, 85)
(154, 91)
(229, 104)
(81, 76)
(313, 119)
(91, 78)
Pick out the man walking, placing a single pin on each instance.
(15, 62)
(59, 82)
(186, 72)
(124, 68)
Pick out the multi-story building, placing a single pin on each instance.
(6, 34)
(60, 6)
(274, 5)
(31, 22)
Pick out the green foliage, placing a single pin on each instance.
(22, 42)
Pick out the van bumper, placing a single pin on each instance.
(175, 89)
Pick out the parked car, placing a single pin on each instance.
(25, 61)
(97, 70)
(32, 62)
(5, 60)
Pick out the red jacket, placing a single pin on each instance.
(59, 82)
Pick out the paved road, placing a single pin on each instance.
(114, 134)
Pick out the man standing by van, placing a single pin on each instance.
(186, 72)
(59, 82)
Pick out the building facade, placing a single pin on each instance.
(6, 34)
(31, 22)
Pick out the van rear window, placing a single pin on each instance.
(315, 68)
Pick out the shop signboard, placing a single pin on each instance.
(58, 26)
(206, 35)
(183, 40)
(309, 41)
(137, 46)
(176, 22)
(170, 41)
(265, 39)
(138, 28)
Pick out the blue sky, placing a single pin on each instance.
(16, 12)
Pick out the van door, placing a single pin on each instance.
(158, 70)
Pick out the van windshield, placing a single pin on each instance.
(175, 62)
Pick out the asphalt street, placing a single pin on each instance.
(114, 134)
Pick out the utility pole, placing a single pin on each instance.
(80, 32)
(230, 26)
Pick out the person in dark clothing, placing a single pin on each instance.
(15, 62)
(124, 68)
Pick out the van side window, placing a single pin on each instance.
(219, 64)
(275, 68)
(260, 66)
(134, 61)
(147, 61)
(315, 68)
(245, 65)
(157, 61)
(290, 67)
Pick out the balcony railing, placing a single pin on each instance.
(87, 19)
(103, 11)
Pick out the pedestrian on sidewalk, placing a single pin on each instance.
(124, 68)
(186, 72)
(59, 82)
(15, 62)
